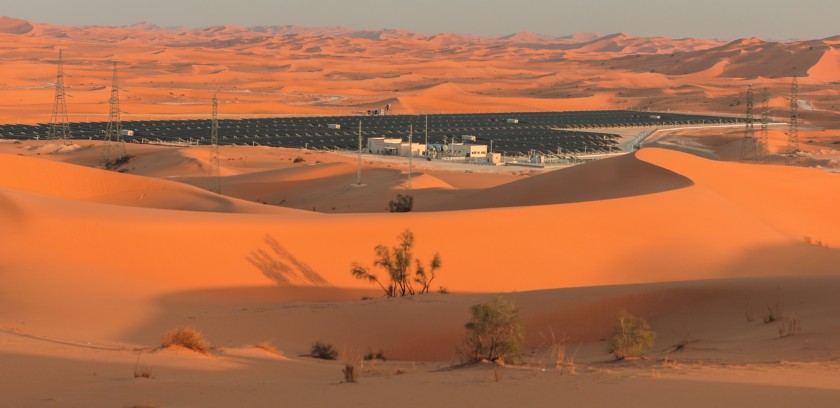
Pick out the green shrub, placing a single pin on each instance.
(495, 331)
(403, 203)
(631, 337)
(323, 351)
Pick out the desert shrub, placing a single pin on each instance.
(631, 337)
(323, 351)
(495, 331)
(187, 337)
(349, 373)
(403, 203)
(123, 159)
(298, 160)
(375, 356)
(399, 262)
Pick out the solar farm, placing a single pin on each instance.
(514, 133)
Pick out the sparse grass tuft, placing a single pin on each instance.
(816, 242)
(773, 312)
(298, 160)
(267, 346)
(187, 337)
(349, 373)
(792, 327)
(142, 371)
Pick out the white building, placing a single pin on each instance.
(394, 147)
(467, 150)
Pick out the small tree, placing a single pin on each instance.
(632, 337)
(403, 203)
(397, 261)
(495, 331)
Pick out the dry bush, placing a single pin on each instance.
(187, 337)
(298, 160)
(631, 337)
(349, 373)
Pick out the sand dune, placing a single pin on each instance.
(89, 185)
(199, 250)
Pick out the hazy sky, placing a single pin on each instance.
(725, 19)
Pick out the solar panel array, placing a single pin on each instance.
(545, 132)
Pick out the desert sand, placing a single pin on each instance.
(96, 265)
(128, 257)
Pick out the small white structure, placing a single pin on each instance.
(467, 150)
(655, 116)
(334, 126)
(494, 158)
(127, 132)
(513, 121)
(467, 138)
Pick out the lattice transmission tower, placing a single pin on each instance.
(215, 176)
(59, 128)
(114, 150)
(410, 153)
(748, 143)
(792, 151)
(763, 138)
(359, 159)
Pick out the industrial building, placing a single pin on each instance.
(394, 147)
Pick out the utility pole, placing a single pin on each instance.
(792, 152)
(59, 125)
